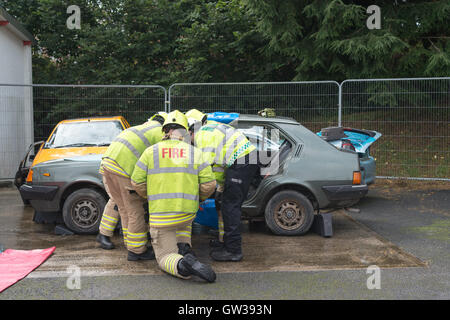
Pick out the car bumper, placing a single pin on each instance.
(368, 170)
(42, 198)
(345, 192)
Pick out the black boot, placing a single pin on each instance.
(184, 248)
(215, 243)
(105, 242)
(221, 254)
(147, 255)
(189, 265)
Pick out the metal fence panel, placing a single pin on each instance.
(53, 103)
(414, 117)
(313, 104)
(412, 114)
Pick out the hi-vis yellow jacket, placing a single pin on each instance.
(173, 171)
(222, 144)
(123, 153)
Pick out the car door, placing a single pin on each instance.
(273, 147)
(26, 162)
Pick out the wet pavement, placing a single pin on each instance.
(352, 246)
(406, 234)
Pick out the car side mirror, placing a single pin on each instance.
(31, 157)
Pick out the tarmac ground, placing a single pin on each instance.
(402, 230)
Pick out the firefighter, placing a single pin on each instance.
(110, 217)
(117, 167)
(234, 162)
(196, 119)
(173, 176)
(108, 224)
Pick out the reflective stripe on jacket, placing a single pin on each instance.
(129, 145)
(173, 171)
(223, 145)
(112, 165)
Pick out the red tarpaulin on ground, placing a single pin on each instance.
(17, 264)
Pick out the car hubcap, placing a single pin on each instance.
(85, 213)
(289, 215)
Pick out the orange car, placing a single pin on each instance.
(75, 137)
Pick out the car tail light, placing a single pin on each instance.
(30, 176)
(346, 144)
(356, 177)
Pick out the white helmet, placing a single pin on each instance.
(195, 119)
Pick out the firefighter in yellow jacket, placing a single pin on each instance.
(173, 175)
(117, 166)
(196, 119)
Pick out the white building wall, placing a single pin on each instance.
(16, 106)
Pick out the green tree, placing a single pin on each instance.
(166, 41)
(220, 43)
(330, 40)
(120, 42)
(46, 20)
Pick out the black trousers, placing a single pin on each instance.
(237, 182)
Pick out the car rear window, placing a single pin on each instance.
(84, 134)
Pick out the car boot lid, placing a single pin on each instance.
(361, 139)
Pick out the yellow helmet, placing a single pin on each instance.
(176, 117)
(195, 116)
(160, 116)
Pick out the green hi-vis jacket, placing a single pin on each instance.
(129, 145)
(173, 171)
(222, 144)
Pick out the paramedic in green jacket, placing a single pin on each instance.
(229, 152)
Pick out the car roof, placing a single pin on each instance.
(256, 118)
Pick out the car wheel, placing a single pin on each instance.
(82, 211)
(289, 213)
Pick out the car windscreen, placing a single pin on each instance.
(84, 134)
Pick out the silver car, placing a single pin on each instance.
(300, 174)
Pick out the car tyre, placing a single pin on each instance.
(82, 211)
(289, 213)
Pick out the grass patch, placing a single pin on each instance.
(438, 230)
(415, 141)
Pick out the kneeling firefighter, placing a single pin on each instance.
(173, 175)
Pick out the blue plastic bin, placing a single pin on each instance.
(207, 214)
